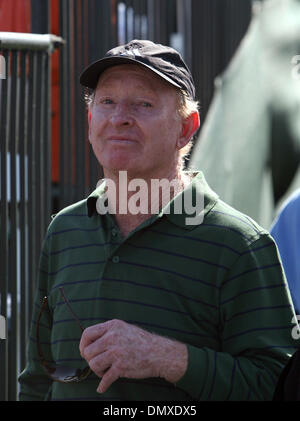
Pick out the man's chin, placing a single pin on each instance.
(129, 166)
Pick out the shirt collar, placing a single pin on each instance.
(197, 199)
(93, 197)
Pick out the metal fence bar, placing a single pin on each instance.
(47, 146)
(13, 226)
(24, 288)
(19, 41)
(77, 105)
(65, 187)
(32, 193)
(4, 225)
(36, 160)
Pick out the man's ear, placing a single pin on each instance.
(189, 126)
(89, 122)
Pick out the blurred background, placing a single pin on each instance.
(45, 159)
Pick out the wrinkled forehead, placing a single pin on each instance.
(144, 78)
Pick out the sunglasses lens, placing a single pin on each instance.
(67, 374)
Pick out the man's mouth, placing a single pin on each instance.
(121, 140)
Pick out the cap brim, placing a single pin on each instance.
(90, 76)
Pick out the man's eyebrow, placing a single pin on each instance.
(141, 87)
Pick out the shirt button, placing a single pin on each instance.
(116, 259)
(114, 232)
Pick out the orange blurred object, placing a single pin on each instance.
(15, 15)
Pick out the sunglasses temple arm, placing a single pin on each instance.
(70, 308)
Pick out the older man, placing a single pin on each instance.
(171, 307)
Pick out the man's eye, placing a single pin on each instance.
(146, 104)
(107, 101)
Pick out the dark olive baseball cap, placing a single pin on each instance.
(162, 60)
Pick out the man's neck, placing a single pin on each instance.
(137, 199)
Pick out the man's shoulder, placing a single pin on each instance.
(233, 225)
(286, 225)
(70, 215)
(291, 206)
(220, 217)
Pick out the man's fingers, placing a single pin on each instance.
(90, 334)
(101, 363)
(93, 349)
(110, 376)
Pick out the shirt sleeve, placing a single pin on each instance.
(34, 383)
(255, 331)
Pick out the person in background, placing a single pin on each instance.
(286, 232)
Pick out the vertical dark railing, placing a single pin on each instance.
(31, 164)
(13, 215)
(25, 155)
(4, 226)
(24, 266)
(65, 192)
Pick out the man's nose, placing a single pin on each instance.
(121, 115)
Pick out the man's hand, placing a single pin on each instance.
(117, 349)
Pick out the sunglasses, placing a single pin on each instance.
(59, 373)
